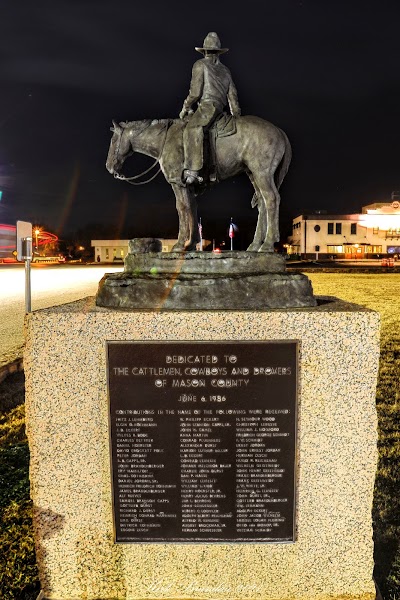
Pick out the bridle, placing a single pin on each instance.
(131, 179)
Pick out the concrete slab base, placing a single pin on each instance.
(205, 281)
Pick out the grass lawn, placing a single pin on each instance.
(381, 292)
(18, 572)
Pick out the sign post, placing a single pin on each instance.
(24, 253)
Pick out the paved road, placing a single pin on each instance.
(51, 285)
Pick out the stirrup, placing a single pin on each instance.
(190, 177)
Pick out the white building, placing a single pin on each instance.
(373, 233)
(114, 251)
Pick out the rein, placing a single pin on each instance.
(131, 179)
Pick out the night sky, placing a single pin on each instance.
(324, 71)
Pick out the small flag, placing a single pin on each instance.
(232, 229)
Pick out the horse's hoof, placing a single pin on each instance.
(265, 248)
(253, 247)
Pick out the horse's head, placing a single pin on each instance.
(125, 140)
(119, 149)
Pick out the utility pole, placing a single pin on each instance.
(305, 237)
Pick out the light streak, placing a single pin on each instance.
(7, 234)
(44, 237)
(69, 198)
(122, 215)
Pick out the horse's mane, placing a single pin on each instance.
(144, 123)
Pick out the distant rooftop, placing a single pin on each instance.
(393, 206)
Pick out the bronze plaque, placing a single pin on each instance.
(203, 441)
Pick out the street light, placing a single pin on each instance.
(37, 231)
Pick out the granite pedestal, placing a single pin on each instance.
(68, 430)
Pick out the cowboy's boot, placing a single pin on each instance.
(190, 177)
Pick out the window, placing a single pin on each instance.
(338, 228)
(375, 230)
(334, 249)
(353, 229)
(317, 228)
(330, 228)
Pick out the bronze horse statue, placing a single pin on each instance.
(257, 148)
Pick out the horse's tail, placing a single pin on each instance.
(282, 168)
(285, 162)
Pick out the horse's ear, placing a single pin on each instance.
(115, 127)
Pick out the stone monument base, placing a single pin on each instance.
(205, 281)
(67, 415)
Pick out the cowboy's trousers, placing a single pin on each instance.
(193, 134)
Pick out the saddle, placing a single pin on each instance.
(223, 126)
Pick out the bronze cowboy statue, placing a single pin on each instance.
(212, 88)
(236, 144)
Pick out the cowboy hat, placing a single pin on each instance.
(212, 44)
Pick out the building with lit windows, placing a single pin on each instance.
(373, 233)
(114, 251)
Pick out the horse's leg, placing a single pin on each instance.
(181, 207)
(194, 234)
(261, 228)
(186, 206)
(271, 200)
